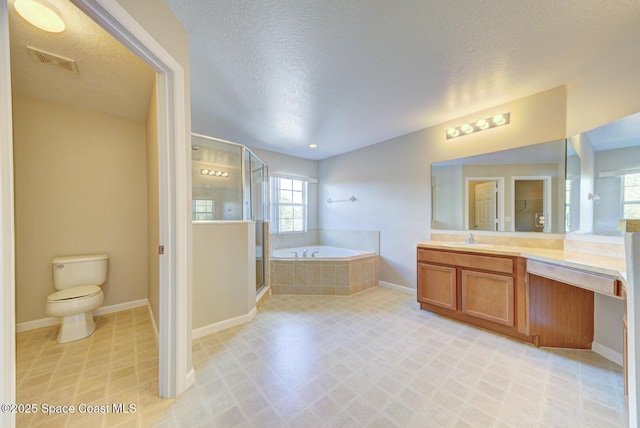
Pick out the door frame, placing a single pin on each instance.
(176, 373)
(547, 200)
(500, 209)
(7, 231)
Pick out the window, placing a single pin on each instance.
(631, 196)
(289, 205)
(202, 209)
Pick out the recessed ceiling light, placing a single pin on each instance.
(40, 14)
(313, 146)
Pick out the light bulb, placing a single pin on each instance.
(204, 171)
(212, 172)
(499, 119)
(466, 128)
(482, 124)
(452, 132)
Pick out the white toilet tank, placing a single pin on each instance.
(74, 271)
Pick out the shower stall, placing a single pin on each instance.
(230, 183)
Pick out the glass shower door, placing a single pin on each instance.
(256, 181)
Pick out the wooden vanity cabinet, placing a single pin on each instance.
(480, 289)
(560, 303)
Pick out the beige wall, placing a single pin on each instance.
(391, 180)
(605, 93)
(80, 185)
(153, 221)
(224, 271)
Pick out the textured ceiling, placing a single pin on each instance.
(620, 134)
(111, 79)
(280, 74)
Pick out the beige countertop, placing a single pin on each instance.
(611, 266)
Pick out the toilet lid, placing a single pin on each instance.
(74, 292)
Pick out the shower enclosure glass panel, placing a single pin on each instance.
(216, 176)
(230, 183)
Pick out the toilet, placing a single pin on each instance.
(79, 279)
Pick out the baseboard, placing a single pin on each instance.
(397, 287)
(262, 296)
(121, 307)
(223, 325)
(49, 321)
(608, 353)
(190, 378)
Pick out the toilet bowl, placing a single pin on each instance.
(78, 278)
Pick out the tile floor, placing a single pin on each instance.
(372, 359)
(116, 364)
(375, 359)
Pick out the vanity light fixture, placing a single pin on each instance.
(479, 125)
(41, 14)
(214, 173)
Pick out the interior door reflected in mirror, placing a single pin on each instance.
(517, 190)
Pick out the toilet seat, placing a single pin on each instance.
(75, 293)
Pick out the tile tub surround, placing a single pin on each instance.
(376, 360)
(325, 277)
(355, 239)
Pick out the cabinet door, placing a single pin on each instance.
(437, 285)
(488, 296)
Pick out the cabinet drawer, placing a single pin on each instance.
(578, 278)
(473, 261)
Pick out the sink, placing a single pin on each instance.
(466, 245)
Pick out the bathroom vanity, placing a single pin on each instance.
(544, 297)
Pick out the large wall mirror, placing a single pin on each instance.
(517, 190)
(608, 176)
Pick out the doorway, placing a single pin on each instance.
(531, 204)
(484, 203)
(176, 373)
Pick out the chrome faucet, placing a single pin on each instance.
(470, 239)
(314, 253)
(295, 254)
(304, 253)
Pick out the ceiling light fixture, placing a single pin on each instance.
(479, 125)
(313, 146)
(40, 14)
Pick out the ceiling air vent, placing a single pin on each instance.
(56, 61)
